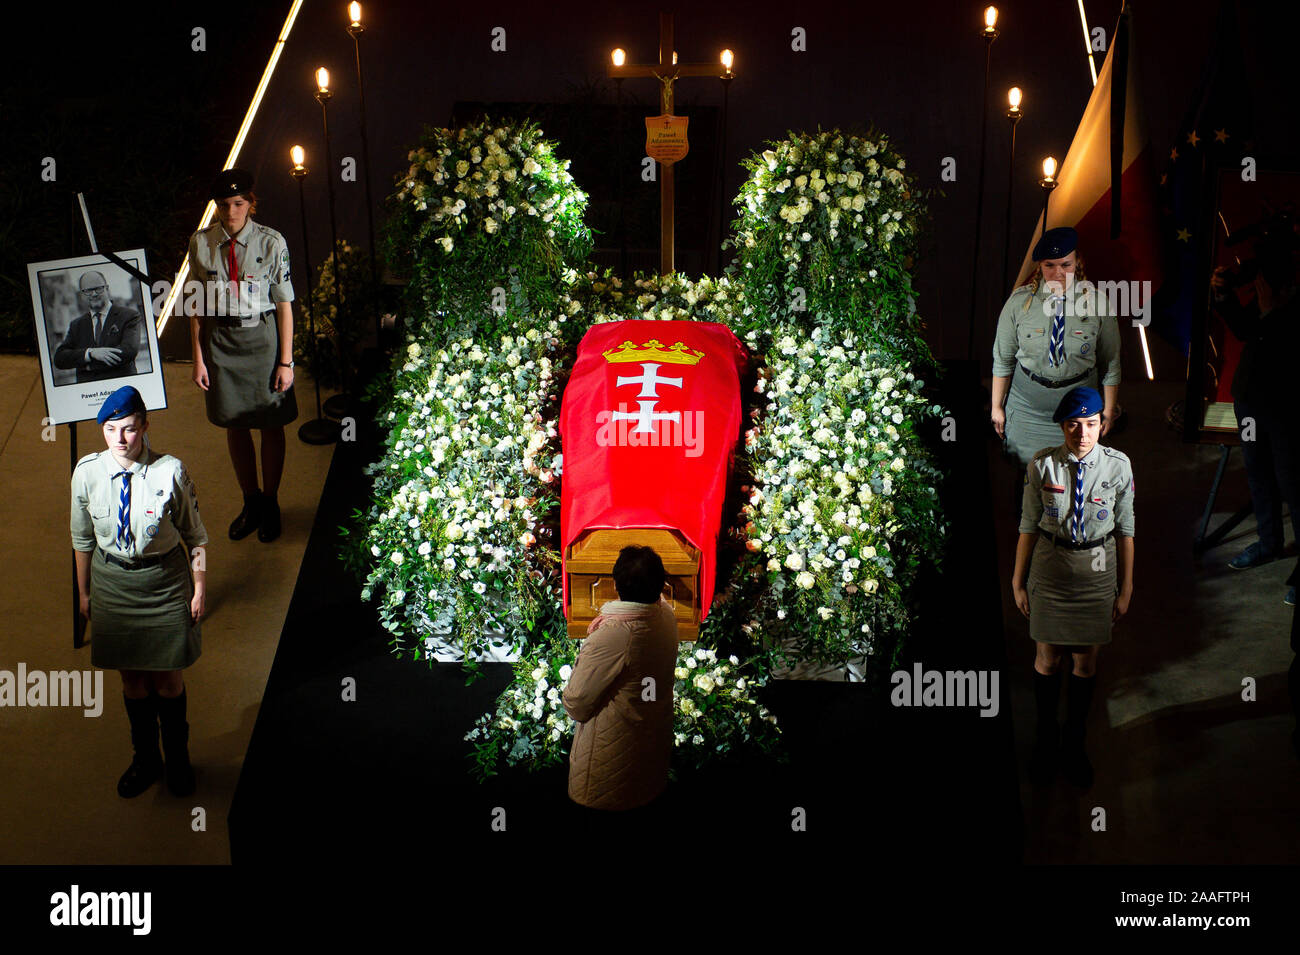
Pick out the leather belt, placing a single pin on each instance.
(139, 564)
(237, 321)
(1049, 383)
(1071, 545)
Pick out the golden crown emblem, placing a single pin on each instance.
(654, 350)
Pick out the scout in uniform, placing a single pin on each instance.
(1076, 520)
(243, 353)
(135, 521)
(1053, 333)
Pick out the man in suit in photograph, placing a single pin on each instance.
(103, 341)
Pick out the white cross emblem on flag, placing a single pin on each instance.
(648, 380)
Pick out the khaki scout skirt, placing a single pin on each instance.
(1029, 408)
(140, 619)
(1070, 602)
(241, 372)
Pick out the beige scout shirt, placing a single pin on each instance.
(1091, 335)
(1107, 493)
(262, 257)
(164, 506)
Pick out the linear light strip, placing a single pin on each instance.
(211, 209)
(1087, 43)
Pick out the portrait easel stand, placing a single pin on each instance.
(78, 624)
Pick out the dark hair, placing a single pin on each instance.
(639, 575)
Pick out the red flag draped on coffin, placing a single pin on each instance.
(650, 418)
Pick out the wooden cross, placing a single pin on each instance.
(667, 71)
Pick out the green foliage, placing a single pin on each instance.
(483, 208)
(361, 300)
(827, 229)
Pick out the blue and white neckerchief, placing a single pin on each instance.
(124, 536)
(1056, 347)
(1078, 526)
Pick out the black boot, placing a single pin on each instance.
(1047, 695)
(147, 765)
(269, 529)
(175, 739)
(1074, 761)
(248, 518)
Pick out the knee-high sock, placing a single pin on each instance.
(1078, 701)
(1047, 696)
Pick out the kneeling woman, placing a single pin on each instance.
(1078, 503)
(135, 521)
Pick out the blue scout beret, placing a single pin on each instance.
(1078, 403)
(120, 404)
(1056, 243)
(231, 182)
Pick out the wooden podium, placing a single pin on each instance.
(589, 566)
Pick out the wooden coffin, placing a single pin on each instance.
(589, 565)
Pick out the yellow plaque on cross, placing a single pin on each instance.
(665, 138)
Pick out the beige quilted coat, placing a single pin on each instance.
(623, 743)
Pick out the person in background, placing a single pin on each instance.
(1266, 392)
(1054, 333)
(135, 522)
(243, 355)
(624, 738)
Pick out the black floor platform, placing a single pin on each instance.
(388, 774)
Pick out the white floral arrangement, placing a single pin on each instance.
(482, 208)
(593, 298)
(481, 177)
(840, 481)
(827, 227)
(714, 712)
(845, 191)
(467, 477)
(838, 507)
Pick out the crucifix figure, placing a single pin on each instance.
(667, 71)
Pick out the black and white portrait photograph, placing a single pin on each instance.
(95, 328)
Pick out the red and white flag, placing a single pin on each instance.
(1106, 185)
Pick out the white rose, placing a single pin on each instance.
(805, 580)
(703, 682)
(566, 671)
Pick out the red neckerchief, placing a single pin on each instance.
(233, 269)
